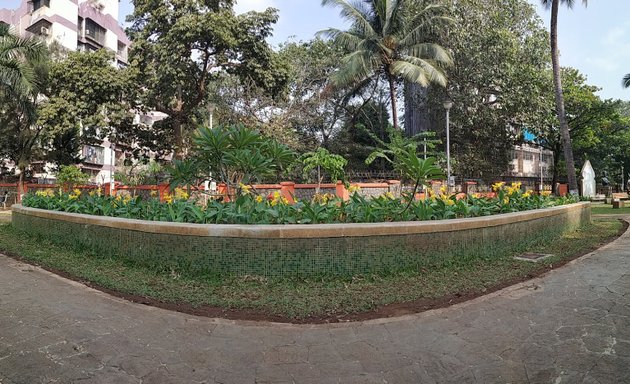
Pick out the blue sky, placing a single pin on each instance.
(595, 40)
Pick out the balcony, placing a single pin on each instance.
(42, 27)
(94, 32)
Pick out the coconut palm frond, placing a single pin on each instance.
(626, 81)
(346, 39)
(431, 52)
(17, 76)
(356, 66)
(353, 13)
(569, 3)
(18, 58)
(419, 71)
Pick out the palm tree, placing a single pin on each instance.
(17, 55)
(385, 40)
(626, 81)
(20, 80)
(555, 62)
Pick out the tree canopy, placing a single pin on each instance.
(386, 40)
(179, 47)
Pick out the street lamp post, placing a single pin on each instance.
(112, 150)
(448, 104)
(210, 112)
(540, 161)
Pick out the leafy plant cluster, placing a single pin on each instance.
(275, 209)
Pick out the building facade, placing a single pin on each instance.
(84, 25)
(77, 25)
(530, 161)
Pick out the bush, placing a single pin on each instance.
(274, 209)
(70, 176)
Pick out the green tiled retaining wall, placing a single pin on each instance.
(298, 250)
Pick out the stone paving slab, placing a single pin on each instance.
(570, 326)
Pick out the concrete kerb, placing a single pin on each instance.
(295, 250)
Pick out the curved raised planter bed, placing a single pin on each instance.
(302, 250)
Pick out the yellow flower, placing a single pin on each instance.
(497, 186)
(75, 194)
(389, 195)
(353, 189)
(259, 199)
(476, 195)
(168, 198)
(443, 189)
(179, 194)
(527, 194)
(545, 193)
(506, 200)
(322, 198)
(154, 193)
(246, 189)
(449, 202)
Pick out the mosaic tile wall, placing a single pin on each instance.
(293, 257)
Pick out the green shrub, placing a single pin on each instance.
(70, 176)
(275, 209)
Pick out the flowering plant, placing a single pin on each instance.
(277, 209)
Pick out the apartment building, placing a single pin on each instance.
(530, 161)
(83, 25)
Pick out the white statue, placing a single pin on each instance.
(588, 180)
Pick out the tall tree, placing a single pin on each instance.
(86, 102)
(383, 40)
(500, 53)
(557, 79)
(587, 114)
(22, 71)
(180, 46)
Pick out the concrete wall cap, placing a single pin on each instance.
(269, 231)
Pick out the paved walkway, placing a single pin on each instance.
(572, 326)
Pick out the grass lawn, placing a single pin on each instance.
(607, 209)
(326, 299)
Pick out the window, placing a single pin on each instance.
(95, 32)
(93, 155)
(37, 4)
(122, 51)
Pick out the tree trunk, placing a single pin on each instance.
(177, 125)
(416, 109)
(564, 126)
(179, 138)
(392, 94)
(556, 160)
